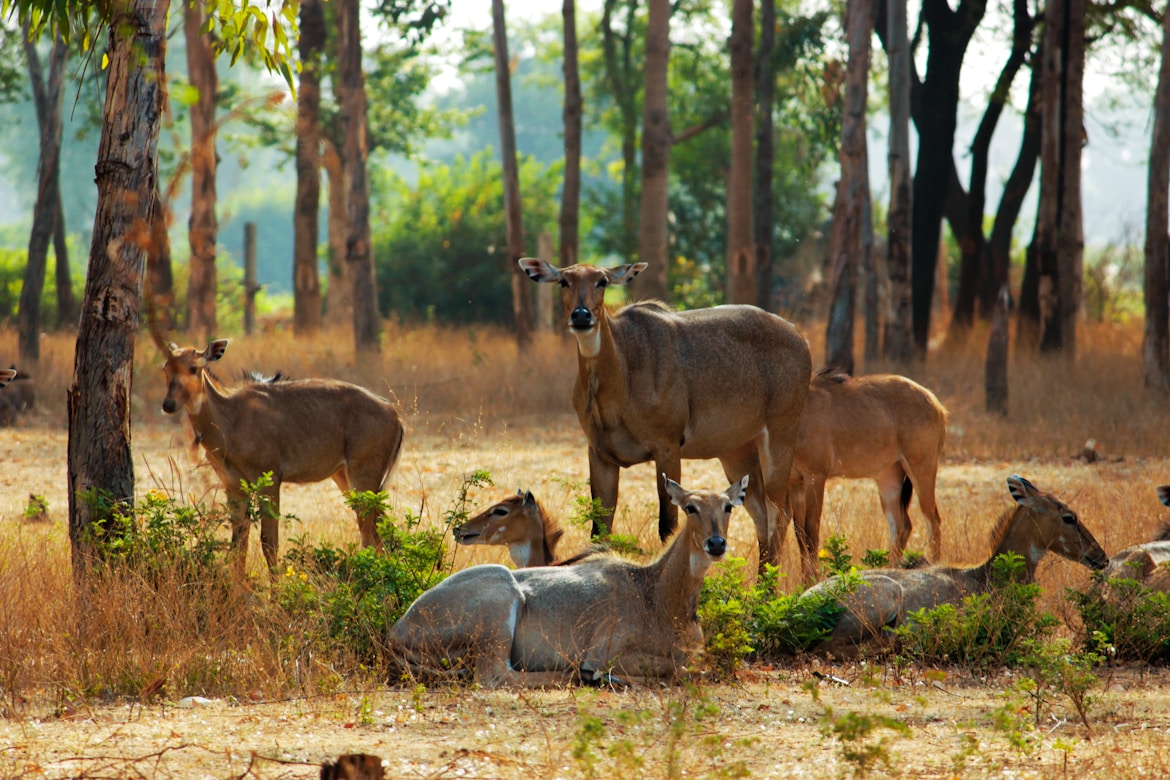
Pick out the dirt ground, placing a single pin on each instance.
(768, 723)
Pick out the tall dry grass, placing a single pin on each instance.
(514, 416)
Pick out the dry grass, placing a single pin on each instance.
(474, 402)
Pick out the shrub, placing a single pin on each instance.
(1124, 614)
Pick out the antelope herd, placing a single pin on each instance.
(733, 383)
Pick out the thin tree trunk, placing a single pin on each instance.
(995, 371)
(339, 295)
(764, 217)
(741, 254)
(66, 303)
(1059, 236)
(100, 464)
(571, 191)
(623, 84)
(359, 255)
(160, 279)
(899, 342)
(1156, 338)
(45, 210)
(202, 228)
(652, 233)
(846, 241)
(306, 281)
(521, 289)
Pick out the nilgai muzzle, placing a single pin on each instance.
(306, 430)
(727, 382)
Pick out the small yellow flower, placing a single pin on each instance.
(823, 554)
(155, 494)
(290, 571)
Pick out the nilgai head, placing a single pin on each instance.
(7, 375)
(184, 373)
(1056, 527)
(514, 520)
(708, 514)
(582, 291)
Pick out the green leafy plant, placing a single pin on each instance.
(589, 513)
(1056, 669)
(875, 559)
(834, 556)
(1126, 616)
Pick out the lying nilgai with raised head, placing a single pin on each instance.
(518, 522)
(882, 426)
(561, 624)
(655, 384)
(1039, 524)
(7, 375)
(1148, 562)
(301, 431)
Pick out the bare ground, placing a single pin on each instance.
(765, 724)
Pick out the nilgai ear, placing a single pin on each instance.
(624, 274)
(1163, 494)
(1023, 491)
(678, 495)
(538, 270)
(215, 350)
(529, 499)
(738, 491)
(6, 375)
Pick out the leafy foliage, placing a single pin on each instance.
(1131, 619)
(440, 249)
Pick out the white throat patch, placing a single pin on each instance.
(589, 341)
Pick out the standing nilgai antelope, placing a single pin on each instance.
(561, 624)
(655, 384)
(882, 426)
(1039, 524)
(301, 431)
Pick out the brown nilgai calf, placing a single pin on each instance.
(521, 524)
(601, 620)
(306, 430)
(1146, 562)
(727, 382)
(883, 427)
(1039, 524)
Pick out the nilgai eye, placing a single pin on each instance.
(691, 509)
(500, 511)
(727, 509)
(602, 284)
(564, 284)
(1069, 518)
(193, 370)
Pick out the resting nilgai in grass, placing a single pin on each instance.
(1040, 523)
(602, 620)
(1149, 563)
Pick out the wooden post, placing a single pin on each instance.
(250, 285)
(544, 292)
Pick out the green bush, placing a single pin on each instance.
(990, 629)
(1127, 616)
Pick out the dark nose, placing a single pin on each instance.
(1098, 560)
(581, 318)
(169, 406)
(716, 546)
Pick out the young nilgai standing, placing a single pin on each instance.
(727, 382)
(301, 431)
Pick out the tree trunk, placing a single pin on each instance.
(1059, 236)
(741, 255)
(359, 255)
(521, 289)
(45, 211)
(100, 465)
(571, 191)
(652, 233)
(160, 279)
(306, 282)
(764, 216)
(623, 80)
(995, 376)
(339, 296)
(202, 228)
(899, 343)
(1156, 338)
(935, 109)
(846, 243)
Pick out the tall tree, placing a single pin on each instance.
(764, 219)
(934, 107)
(741, 255)
(159, 282)
(624, 82)
(571, 191)
(202, 227)
(521, 302)
(46, 211)
(652, 232)
(1059, 225)
(359, 256)
(847, 244)
(100, 465)
(898, 339)
(306, 282)
(1156, 338)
